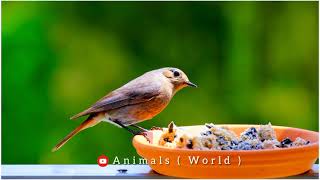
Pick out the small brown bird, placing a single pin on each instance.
(138, 100)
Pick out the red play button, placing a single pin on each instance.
(103, 161)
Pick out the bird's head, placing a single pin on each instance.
(177, 78)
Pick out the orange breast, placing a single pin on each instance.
(139, 112)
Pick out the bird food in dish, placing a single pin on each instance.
(221, 138)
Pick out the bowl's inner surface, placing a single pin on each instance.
(281, 132)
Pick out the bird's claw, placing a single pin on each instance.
(156, 128)
(145, 134)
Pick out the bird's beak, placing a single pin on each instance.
(191, 84)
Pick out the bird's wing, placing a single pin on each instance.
(122, 97)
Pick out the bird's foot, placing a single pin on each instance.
(156, 128)
(145, 134)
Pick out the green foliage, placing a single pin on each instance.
(254, 62)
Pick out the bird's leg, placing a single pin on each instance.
(126, 128)
(143, 133)
(141, 128)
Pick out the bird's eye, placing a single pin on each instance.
(176, 73)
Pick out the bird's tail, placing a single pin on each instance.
(91, 121)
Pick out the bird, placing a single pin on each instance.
(140, 99)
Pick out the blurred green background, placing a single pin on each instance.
(254, 62)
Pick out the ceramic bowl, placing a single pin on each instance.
(265, 163)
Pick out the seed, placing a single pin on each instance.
(286, 142)
(190, 144)
(234, 142)
(203, 134)
(252, 129)
(170, 129)
(209, 126)
(221, 140)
